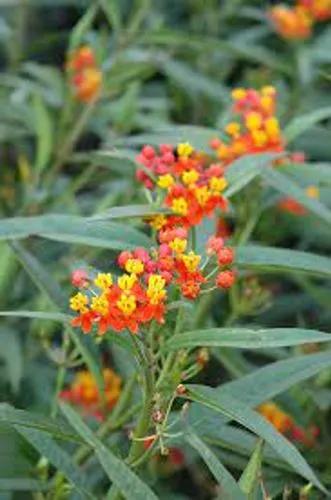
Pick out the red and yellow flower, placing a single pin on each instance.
(188, 184)
(86, 77)
(83, 392)
(255, 129)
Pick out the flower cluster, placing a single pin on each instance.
(84, 393)
(139, 295)
(296, 23)
(184, 179)
(286, 425)
(256, 128)
(86, 77)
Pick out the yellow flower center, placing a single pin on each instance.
(233, 129)
(190, 176)
(260, 138)
(126, 281)
(202, 195)
(127, 304)
(238, 94)
(165, 181)
(79, 303)
(100, 304)
(134, 266)
(271, 126)
(184, 149)
(157, 221)
(178, 245)
(253, 120)
(218, 184)
(103, 280)
(155, 291)
(180, 206)
(191, 261)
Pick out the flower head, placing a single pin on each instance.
(83, 392)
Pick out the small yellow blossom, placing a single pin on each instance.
(218, 184)
(165, 181)
(100, 304)
(180, 206)
(134, 266)
(103, 281)
(190, 176)
(127, 304)
(184, 149)
(79, 303)
(178, 245)
(126, 281)
(191, 261)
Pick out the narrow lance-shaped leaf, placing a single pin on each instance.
(285, 185)
(263, 384)
(282, 260)
(118, 472)
(130, 211)
(73, 229)
(300, 124)
(250, 477)
(48, 448)
(44, 133)
(235, 410)
(46, 284)
(245, 338)
(229, 489)
(245, 169)
(26, 419)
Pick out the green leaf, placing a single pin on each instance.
(301, 124)
(236, 410)
(23, 418)
(22, 484)
(243, 170)
(84, 24)
(282, 260)
(130, 211)
(85, 345)
(275, 378)
(229, 489)
(263, 384)
(73, 229)
(118, 472)
(48, 448)
(39, 274)
(44, 133)
(51, 316)
(245, 338)
(283, 184)
(113, 13)
(308, 173)
(195, 82)
(12, 356)
(250, 477)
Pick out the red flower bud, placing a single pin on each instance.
(225, 279)
(225, 256)
(79, 278)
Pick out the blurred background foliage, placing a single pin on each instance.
(168, 69)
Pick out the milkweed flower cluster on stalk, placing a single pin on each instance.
(85, 74)
(296, 23)
(83, 392)
(255, 128)
(185, 180)
(192, 189)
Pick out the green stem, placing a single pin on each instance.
(71, 141)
